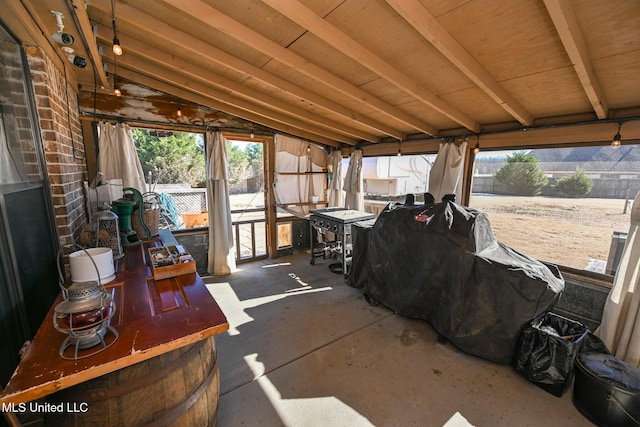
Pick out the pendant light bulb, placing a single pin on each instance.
(117, 91)
(476, 149)
(309, 149)
(252, 135)
(615, 143)
(117, 49)
(179, 112)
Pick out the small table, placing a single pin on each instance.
(153, 317)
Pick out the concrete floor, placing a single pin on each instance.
(305, 349)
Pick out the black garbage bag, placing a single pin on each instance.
(547, 350)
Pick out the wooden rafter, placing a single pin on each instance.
(216, 19)
(426, 24)
(176, 41)
(306, 18)
(86, 30)
(568, 28)
(161, 79)
(180, 66)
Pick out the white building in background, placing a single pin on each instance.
(395, 175)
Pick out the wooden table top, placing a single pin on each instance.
(152, 317)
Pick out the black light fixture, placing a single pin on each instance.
(476, 149)
(117, 49)
(615, 143)
(399, 148)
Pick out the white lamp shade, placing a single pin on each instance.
(83, 270)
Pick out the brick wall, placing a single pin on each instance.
(59, 121)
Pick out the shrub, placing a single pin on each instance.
(578, 184)
(522, 174)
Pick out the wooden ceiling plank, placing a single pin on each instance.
(214, 18)
(426, 24)
(169, 76)
(179, 42)
(308, 19)
(204, 100)
(568, 28)
(86, 30)
(180, 65)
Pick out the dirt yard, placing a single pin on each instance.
(570, 232)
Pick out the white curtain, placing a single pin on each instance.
(118, 160)
(9, 173)
(221, 250)
(446, 173)
(336, 195)
(294, 184)
(353, 183)
(620, 327)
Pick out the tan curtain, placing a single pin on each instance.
(221, 249)
(293, 185)
(336, 195)
(620, 327)
(353, 183)
(118, 160)
(446, 173)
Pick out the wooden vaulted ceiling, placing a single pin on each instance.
(353, 71)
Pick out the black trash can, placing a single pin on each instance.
(547, 349)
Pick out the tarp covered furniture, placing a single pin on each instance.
(440, 262)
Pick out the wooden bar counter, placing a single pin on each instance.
(155, 319)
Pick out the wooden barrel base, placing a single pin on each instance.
(179, 388)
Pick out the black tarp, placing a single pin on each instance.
(441, 263)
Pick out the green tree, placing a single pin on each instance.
(239, 163)
(578, 184)
(522, 174)
(174, 157)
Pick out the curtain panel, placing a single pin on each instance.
(221, 260)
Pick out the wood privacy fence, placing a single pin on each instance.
(603, 188)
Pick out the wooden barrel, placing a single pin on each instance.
(178, 388)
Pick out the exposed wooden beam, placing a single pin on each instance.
(183, 66)
(306, 18)
(179, 42)
(79, 8)
(157, 78)
(568, 28)
(216, 19)
(227, 96)
(426, 24)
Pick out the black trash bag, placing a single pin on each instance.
(547, 349)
